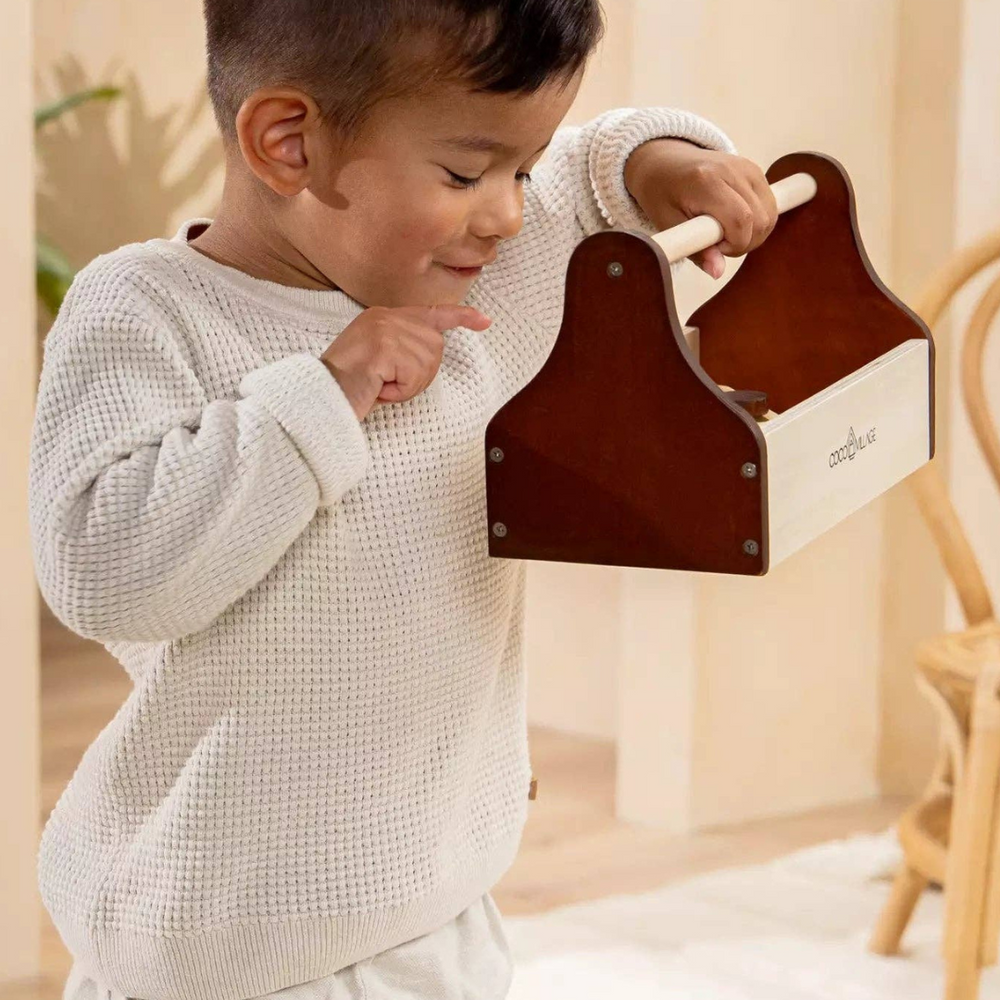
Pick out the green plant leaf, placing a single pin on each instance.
(49, 112)
(53, 274)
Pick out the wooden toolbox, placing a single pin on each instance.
(628, 447)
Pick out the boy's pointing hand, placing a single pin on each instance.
(390, 354)
(674, 180)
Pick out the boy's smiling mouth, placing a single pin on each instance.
(469, 264)
(464, 272)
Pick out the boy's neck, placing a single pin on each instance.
(243, 235)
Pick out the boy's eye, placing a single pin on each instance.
(472, 182)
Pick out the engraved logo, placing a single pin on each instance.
(854, 445)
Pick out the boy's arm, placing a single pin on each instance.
(152, 507)
(580, 181)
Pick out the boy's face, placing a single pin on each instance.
(384, 218)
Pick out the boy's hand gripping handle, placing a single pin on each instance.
(703, 231)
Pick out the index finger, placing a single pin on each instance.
(446, 316)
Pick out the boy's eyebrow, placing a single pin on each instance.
(481, 144)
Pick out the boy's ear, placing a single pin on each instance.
(274, 127)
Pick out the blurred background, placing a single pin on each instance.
(679, 723)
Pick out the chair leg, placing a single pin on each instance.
(971, 840)
(906, 889)
(990, 948)
(962, 977)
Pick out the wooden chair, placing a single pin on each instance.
(951, 836)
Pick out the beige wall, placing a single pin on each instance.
(20, 925)
(133, 169)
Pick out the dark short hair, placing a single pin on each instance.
(351, 54)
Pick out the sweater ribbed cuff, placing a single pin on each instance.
(300, 392)
(621, 132)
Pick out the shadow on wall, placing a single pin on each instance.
(101, 183)
(110, 173)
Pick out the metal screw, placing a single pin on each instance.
(749, 470)
(615, 270)
(496, 454)
(750, 547)
(499, 529)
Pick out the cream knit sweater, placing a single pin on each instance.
(324, 753)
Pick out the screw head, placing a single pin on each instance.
(749, 470)
(750, 547)
(615, 269)
(499, 529)
(496, 454)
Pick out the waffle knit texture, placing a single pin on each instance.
(324, 753)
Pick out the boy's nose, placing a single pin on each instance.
(499, 218)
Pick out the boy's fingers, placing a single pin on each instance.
(748, 217)
(736, 218)
(765, 208)
(445, 317)
(711, 262)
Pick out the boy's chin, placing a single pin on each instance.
(436, 288)
(448, 289)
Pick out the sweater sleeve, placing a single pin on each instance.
(581, 178)
(153, 508)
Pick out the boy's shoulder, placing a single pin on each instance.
(136, 283)
(129, 274)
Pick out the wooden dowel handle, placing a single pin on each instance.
(703, 232)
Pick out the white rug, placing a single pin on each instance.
(794, 929)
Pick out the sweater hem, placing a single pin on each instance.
(236, 963)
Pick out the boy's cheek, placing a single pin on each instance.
(390, 245)
(431, 233)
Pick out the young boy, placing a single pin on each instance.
(257, 477)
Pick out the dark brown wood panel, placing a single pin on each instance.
(621, 451)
